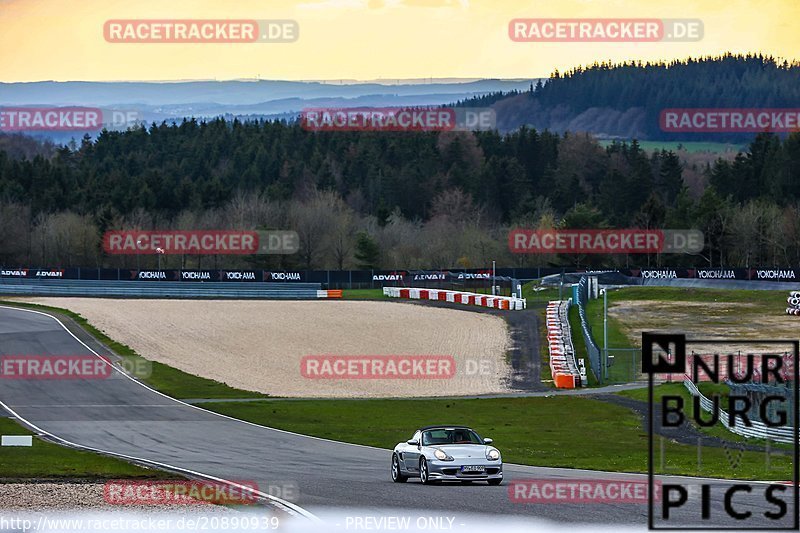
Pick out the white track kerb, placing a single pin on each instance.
(283, 505)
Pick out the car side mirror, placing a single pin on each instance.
(488, 441)
(412, 442)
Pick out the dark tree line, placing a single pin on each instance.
(417, 199)
(626, 99)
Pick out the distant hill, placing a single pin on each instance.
(624, 101)
(244, 92)
(251, 99)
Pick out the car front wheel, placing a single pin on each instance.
(397, 474)
(495, 481)
(424, 474)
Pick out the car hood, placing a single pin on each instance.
(465, 451)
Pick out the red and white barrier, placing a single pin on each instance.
(565, 371)
(468, 298)
(330, 293)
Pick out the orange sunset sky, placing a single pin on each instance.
(366, 39)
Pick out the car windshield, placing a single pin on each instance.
(450, 436)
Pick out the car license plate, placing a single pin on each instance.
(472, 468)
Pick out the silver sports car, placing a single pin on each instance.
(447, 453)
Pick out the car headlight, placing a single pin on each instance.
(493, 455)
(439, 454)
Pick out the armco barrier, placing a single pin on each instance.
(441, 295)
(563, 367)
(758, 429)
(163, 289)
(593, 351)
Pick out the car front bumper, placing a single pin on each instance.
(451, 471)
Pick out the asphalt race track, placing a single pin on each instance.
(121, 416)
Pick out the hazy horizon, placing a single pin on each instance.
(377, 41)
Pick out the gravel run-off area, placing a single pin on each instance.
(260, 345)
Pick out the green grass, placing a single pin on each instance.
(546, 376)
(170, 381)
(626, 365)
(579, 344)
(542, 296)
(532, 431)
(677, 389)
(707, 389)
(539, 299)
(363, 294)
(45, 460)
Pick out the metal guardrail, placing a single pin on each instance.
(759, 430)
(579, 363)
(158, 289)
(563, 314)
(593, 351)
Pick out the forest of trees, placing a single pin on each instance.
(417, 199)
(625, 100)
(425, 200)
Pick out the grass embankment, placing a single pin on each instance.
(709, 390)
(558, 431)
(626, 364)
(364, 294)
(579, 343)
(538, 299)
(45, 460)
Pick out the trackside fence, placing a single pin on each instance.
(163, 289)
(592, 350)
(759, 430)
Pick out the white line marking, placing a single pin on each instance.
(64, 406)
(184, 403)
(289, 506)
